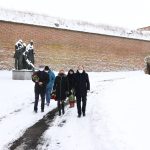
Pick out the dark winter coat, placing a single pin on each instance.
(71, 80)
(61, 86)
(82, 84)
(43, 77)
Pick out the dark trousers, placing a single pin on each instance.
(79, 99)
(60, 105)
(40, 92)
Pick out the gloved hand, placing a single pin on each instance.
(67, 93)
(40, 83)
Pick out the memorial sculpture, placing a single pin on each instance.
(24, 56)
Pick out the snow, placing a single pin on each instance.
(75, 25)
(16, 107)
(117, 116)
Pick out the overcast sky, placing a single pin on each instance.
(123, 13)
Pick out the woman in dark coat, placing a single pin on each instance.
(61, 90)
(82, 85)
(71, 80)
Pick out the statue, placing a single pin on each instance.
(24, 55)
(18, 55)
(30, 53)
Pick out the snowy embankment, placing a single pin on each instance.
(117, 114)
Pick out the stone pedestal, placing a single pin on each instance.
(22, 74)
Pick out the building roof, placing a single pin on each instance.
(75, 25)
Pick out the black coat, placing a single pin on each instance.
(61, 86)
(43, 77)
(71, 80)
(82, 83)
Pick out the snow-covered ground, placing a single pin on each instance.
(16, 107)
(117, 115)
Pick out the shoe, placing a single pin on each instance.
(84, 115)
(47, 104)
(35, 111)
(79, 115)
(42, 110)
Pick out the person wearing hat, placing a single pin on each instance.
(71, 80)
(50, 84)
(40, 78)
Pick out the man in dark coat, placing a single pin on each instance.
(82, 85)
(61, 89)
(41, 78)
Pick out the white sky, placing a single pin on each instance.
(123, 13)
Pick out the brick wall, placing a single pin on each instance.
(66, 49)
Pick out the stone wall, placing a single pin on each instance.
(60, 48)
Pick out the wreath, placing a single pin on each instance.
(35, 78)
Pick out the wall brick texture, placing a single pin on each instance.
(66, 49)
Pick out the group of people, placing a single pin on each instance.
(24, 55)
(62, 85)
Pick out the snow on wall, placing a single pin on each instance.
(44, 20)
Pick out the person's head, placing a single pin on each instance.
(80, 68)
(61, 71)
(41, 67)
(70, 72)
(46, 69)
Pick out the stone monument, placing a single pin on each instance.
(24, 61)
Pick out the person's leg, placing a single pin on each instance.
(50, 91)
(84, 104)
(36, 101)
(47, 96)
(62, 106)
(59, 107)
(42, 93)
(79, 105)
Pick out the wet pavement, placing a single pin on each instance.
(30, 139)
